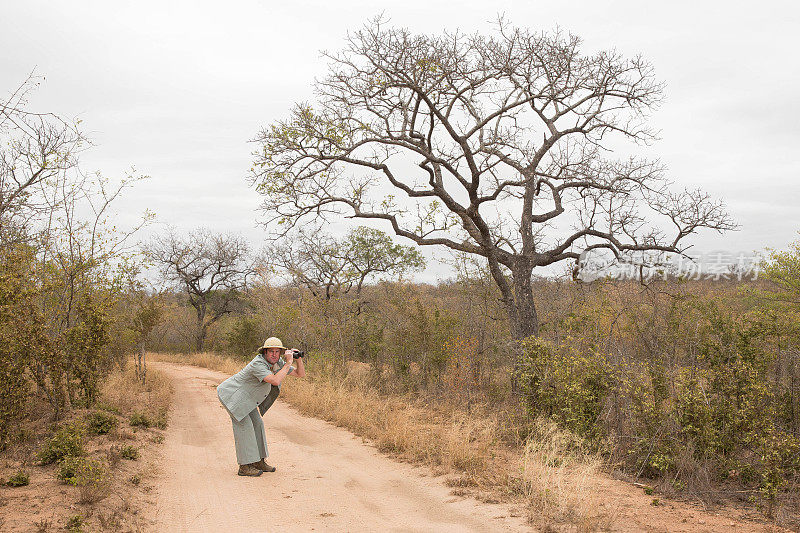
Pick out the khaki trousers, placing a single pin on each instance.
(251, 442)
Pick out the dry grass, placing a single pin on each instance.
(454, 443)
(125, 393)
(205, 360)
(553, 476)
(559, 480)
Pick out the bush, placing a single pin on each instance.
(100, 423)
(20, 479)
(67, 441)
(160, 421)
(129, 452)
(140, 419)
(69, 467)
(245, 336)
(21, 332)
(107, 407)
(92, 477)
(75, 524)
(711, 399)
(566, 384)
(84, 342)
(89, 474)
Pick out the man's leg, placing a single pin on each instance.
(258, 432)
(261, 441)
(247, 450)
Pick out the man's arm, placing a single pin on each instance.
(300, 371)
(276, 378)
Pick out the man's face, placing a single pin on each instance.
(272, 355)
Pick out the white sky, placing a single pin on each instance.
(176, 89)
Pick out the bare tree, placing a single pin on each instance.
(212, 269)
(492, 145)
(38, 151)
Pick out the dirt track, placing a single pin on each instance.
(327, 479)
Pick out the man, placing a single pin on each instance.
(248, 394)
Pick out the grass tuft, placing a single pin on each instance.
(20, 479)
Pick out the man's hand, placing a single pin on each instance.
(289, 356)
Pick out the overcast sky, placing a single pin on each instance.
(176, 90)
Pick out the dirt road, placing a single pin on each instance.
(327, 479)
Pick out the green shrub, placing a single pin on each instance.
(244, 336)
(780, 461)
(107, 407)
(66, 441)
(709, 396)
(21, 333)
(84, 343)
(565, 384)
(160, 421)
(129, 452)
(90, 475)
(69, 467)
(20, 479)
(75, 524)
(145, 420)
(100, 423)
(139, 419)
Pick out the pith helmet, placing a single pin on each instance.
(272, 342)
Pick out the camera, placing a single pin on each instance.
(298, 354)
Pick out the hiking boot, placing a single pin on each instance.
(263, 466)
(249, 470)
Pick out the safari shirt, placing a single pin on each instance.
(246, 390)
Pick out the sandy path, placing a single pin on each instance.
(327, 479)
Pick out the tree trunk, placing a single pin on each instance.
(527, 321)
(200, 335)
(200, 339)
(141, 364)
(523, 317)
(518, 302)
(66, 400)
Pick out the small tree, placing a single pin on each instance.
(55, 224)
(83, 345)
(147, 312)
(22, 337)
(211, 269)
(335, 271)
(330, 268)
(782, 272)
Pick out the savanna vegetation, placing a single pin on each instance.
(73, 309)
(519, 384)
(687, 385)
